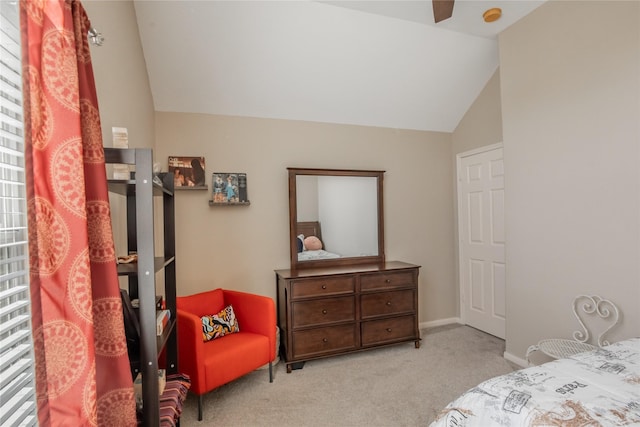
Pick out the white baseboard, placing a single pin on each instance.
(439, 322)
(517, 360)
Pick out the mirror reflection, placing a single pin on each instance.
(344, 209)
(335, 217)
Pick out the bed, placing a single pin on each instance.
(594, 388)
(311, 228)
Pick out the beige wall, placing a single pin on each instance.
(239, 247)
(120, 73)
(482, 123)
(570, 100)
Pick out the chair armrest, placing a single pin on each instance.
(191, 349)
(255, 313)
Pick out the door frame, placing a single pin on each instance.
(459, 158)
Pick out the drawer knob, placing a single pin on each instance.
(324, 286)
(389, 303)
(324, 311)
(325, 340)
(388, 329)
(387, 281)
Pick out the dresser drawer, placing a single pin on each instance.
(319, 341)
(323, 311)
(384, 331)
(323, 286)
(385, 303)
(387, 280)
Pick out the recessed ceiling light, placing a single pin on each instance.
(492, 14)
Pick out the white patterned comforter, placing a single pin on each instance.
(596, 388)
(317, 254)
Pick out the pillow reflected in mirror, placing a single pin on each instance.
(312, 243)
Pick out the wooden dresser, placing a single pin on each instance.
(334, 310)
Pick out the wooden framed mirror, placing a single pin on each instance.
(343, 209)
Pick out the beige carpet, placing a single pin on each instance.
(398, 385)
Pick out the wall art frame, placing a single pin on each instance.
(188, 172)
(229, 188)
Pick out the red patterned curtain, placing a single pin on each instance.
(82, 368)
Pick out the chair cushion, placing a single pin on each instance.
(233, 356)
(219, 324)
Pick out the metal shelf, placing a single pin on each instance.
(140, 192)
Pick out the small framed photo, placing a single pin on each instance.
(229, 188)
(188, 172)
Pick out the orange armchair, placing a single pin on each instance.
(211, 364)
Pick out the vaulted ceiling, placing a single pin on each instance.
(372, 63)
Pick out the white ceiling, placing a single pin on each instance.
(372, 63)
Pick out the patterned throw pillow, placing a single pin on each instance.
(218, 325)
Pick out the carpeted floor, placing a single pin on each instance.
(398, 385)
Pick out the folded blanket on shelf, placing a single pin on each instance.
(171, 400)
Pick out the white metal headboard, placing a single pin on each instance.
(584, 305)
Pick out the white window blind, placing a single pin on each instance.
(17, 381)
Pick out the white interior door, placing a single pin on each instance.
(482, 240)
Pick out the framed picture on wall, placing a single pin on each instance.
(229, 189)
(188, 172)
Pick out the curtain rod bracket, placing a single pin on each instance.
(95, 37)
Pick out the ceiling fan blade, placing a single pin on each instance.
(442, 9)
